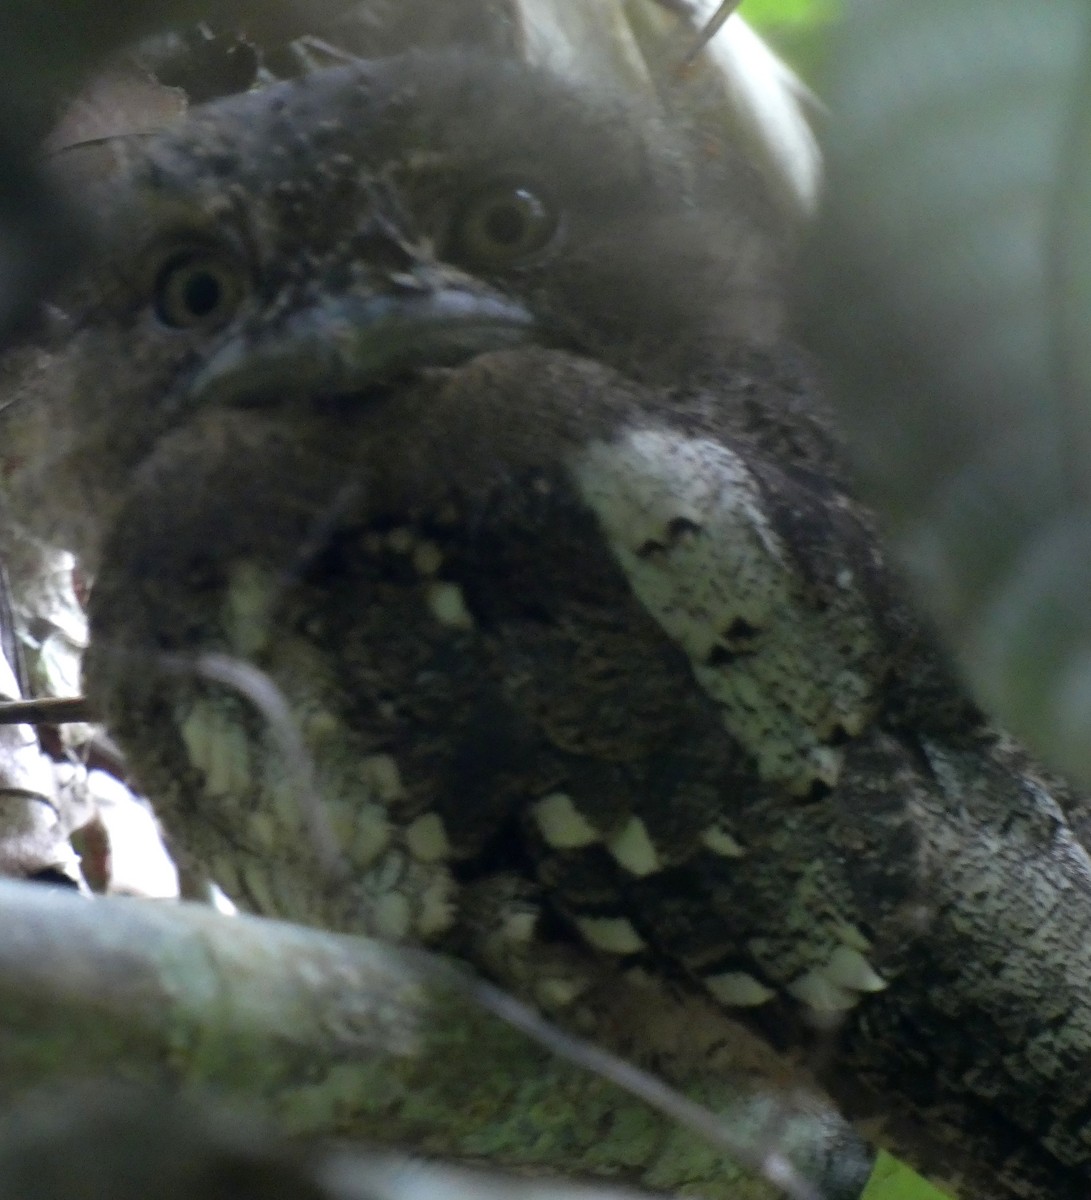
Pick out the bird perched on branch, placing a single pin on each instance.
(429, 433)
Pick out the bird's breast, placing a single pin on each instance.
(582, 655)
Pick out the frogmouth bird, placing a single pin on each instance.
(435, 414)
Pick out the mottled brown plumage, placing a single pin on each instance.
(454, 401)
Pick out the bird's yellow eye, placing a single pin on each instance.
(503, 225)
(198, 289)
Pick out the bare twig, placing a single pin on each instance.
(50, 710)
(712, 27)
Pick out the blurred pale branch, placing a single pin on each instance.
(332, 1034)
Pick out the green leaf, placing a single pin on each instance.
(893, 1180)
(763, 14)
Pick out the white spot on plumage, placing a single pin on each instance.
(633, 848)
(819, 992)
(848, 968)
(615, 935)
(737, 989)
(852, 936)
(689, 524)
(217, 746)
(249, 608)
(826, 762)
(448, 605)
(392, 916)
(562, 825)
(323, 726)
(371, 833)
(650, 481)
(223, 875)
(556, 993)
(426, 838)
(381, 777)
(518, 927)
(221, 901)
(435, 908)
(719, 841)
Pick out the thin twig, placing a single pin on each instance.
(258, 687)
(712, 27)
(769, 1164)
(51, 710)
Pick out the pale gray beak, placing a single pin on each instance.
(346, 343)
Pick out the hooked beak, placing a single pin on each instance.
(345, 343)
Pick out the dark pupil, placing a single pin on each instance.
(202, 293)
(506, 224)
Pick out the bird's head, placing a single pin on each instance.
(322, 238)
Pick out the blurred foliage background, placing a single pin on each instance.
(797, 28)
